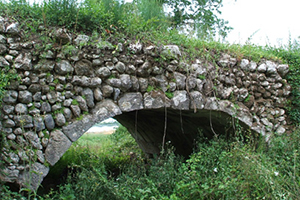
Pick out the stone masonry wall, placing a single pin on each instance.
(69, 83)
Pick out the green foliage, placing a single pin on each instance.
(169, 94)
(150, 88)
(218, 169)
(290, 54)
(202, 77)
(6, 77)
(74, 102)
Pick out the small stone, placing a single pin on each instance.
(89, 97)
(63, 67)
(33, 139)
(280, 130)
(8, 123)
(25, 96)
(262, 68)
(103, 72)
(8, 109)
(49, 122)
(10, 97)
(13, 29)
(75, 110)
(11, 136)
(21, 108)
(81, 40)
(171, 51)
(60, 119)
(98, 94)
(107, 90)
(23, 61)
(67, 113)
(120, 67)
(46, 107)
(38, 123)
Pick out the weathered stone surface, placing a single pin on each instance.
(155, 99)
(7, 109)
(131, 101)
(98, 94)
(38, 123)
(83, 68)
(45, 107)
(78, 128)
(89, 97)
(103, 72)
(9, 175)
(63, 67)
(171, 51)
(180, 100)
(107, 90)
(120, 67)
(62, 36)
(60, 119)
(136, 48)
(126, 83)
(58, 144)
(262, 68)
(81, 40)
(3, 49)
(10, 97)
(82, 103)
(144, 70)
(180, 80)
(33, 138)
(67, 113)
(21, 108)
(75, 110)
(114, 82)
(143, 84)
(23, 61)
(49, 122)
(33, 176)
(95, 82)
(25, 96)
(227, 61)
(3, 62)
(45, 65)
(283, 70)
(24, 121)
(8, 123)
(13, 29)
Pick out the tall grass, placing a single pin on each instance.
(218, 169)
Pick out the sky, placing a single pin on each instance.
(270, 22)
(267, 21)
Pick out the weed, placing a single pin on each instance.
(202, 77)
(150, 88)
(74, 102)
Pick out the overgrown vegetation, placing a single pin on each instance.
(113, 167)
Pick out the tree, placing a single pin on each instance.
(199, 15)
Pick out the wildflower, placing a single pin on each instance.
(215, 169)
(276, 173)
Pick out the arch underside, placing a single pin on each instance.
(181, 128)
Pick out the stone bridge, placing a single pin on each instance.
(70, 82)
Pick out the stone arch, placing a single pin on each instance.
(61, 94)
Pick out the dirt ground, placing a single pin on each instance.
(101, 132)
